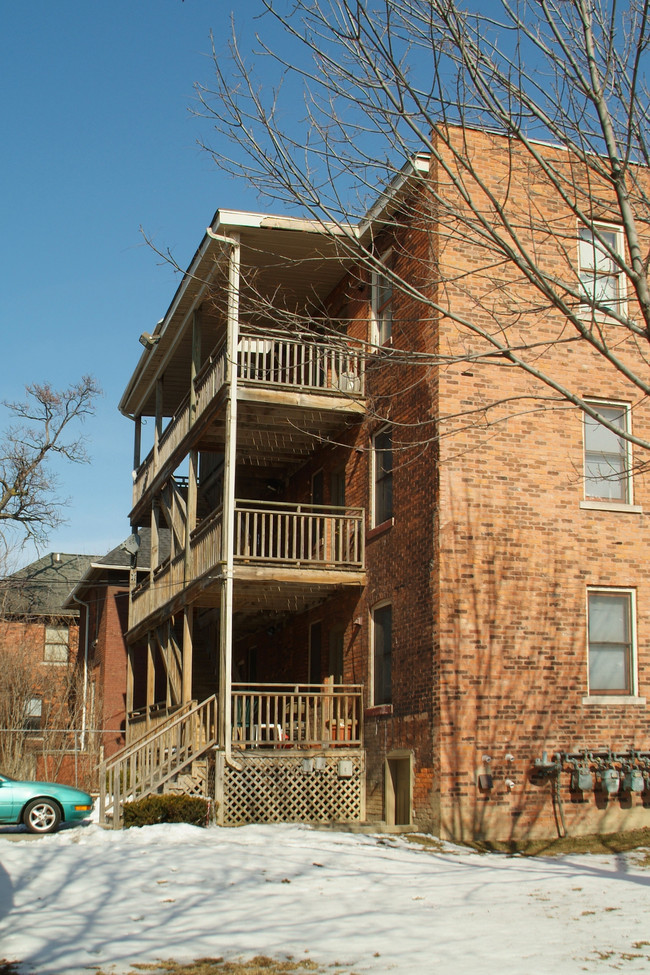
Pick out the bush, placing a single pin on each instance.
(167, 809)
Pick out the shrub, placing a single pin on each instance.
(167, 809)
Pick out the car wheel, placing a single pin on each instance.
(42, 816)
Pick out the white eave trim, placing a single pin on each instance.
(418, 166)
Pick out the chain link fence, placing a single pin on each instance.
(66, 755)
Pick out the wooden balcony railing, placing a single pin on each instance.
(168, 582)
(297, 715)
(299, 534)
(271, 361)
(279, 360)
(271, 533)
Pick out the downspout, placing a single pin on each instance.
(228, 508)
(85, 681)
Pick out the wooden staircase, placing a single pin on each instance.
(160, 761)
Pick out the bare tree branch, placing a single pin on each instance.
(561, 86)
(43, 429)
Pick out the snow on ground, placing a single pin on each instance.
(87, 897)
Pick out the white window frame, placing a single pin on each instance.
(588, 244)
(383, 604)
(33, 710)
(49, 654)
(626, 479)
(605, 694)
(374, 474)
(382, 327)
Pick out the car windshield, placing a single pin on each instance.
(7, 778)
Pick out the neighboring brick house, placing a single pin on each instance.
(39, 637)
(396, 626)
(101, 598)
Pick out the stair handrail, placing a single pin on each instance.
(169, 722)
(121, 759)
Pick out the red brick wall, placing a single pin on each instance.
(108, 621)
(517, 553)
(25, 641)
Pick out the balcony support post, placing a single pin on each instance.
(151, 679)
(193, 471)
(158, 428)
(155, 540)
(195, 363)
(188, 634)
(190, 519)
(129, 686)
(228, 529)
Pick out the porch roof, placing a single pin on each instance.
(285, 261)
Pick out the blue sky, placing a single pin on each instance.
(99, 140)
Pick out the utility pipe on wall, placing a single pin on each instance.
(85, 680)
(228, 530)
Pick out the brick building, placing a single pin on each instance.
(39, 637)
(101, 599)
(385, 613)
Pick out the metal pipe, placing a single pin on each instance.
(230, 457)
(85, 681)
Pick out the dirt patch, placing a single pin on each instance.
(8, 967)
(260, 965)
(623, 842)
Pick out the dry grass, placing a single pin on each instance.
(260, 965)
(636, 839)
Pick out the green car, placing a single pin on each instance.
(41, 806)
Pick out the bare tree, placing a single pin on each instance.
(43, 428)
(39, 718)
(394, 89)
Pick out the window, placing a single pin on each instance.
(611, 644)
(600, 276)
(382, 638)
(382, 304)
(33, 714)
(57, 644)
(607, 455)
(315, 647)
(336, 639)
(382, 462)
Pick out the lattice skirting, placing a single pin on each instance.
(304, 786)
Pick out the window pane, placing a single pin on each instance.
(608, 669)
(608, 618)
(606, 458)
(384, 290)
(610, 642)
(33, 714)
(383, 460)
(604, 478)
(383, 307)
(56, 644)
(382, 634)
(34, 707)
(593, 256)
(56, 634)
(599, 272)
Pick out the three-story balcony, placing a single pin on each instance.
(323, 377)
(316, 545)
